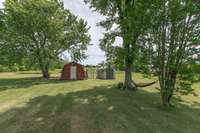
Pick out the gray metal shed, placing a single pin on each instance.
(105, 73)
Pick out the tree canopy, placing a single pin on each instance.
(161, 36)
(128, 19)
(42, 30)
(174, 39)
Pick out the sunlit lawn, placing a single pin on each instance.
(31, 105)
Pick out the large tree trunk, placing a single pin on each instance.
(128, 82)
(45, 73)
(45, 70)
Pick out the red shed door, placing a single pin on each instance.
(73, 73)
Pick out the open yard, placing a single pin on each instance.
(31, 105)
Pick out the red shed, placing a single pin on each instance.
(73, 71)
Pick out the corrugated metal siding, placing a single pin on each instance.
(65, 75)
(105, 74)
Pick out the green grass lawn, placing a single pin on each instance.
(31, 105)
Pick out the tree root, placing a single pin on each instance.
(130, 86)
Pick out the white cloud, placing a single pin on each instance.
(78, 7)
(1, 3)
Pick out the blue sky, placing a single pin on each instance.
(77, 7)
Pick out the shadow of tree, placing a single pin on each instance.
(29, 72)
(102, 109)
(16, 83)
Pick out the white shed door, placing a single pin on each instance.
(73, 73)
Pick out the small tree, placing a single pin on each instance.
(42, 30)
(109, 50)
(174, 39)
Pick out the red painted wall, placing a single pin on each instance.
(80, 72)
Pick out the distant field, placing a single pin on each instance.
(31, 105)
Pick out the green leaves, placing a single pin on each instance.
(43, 29)
(162, 35)
(128, 19)
(174, 37)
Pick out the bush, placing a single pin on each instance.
(4, 69)
(14, 68)
(22, 68)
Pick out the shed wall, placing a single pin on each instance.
(80, 72)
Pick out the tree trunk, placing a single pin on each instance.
(128, 83)
(165, 99)
(45, 73)
(166, 93)
(45, 70)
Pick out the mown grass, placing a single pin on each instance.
(31, 105)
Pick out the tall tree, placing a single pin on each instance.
(127, 19)
(175, 41)
(109, 50)
(43, 29)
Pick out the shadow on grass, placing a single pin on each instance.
(33, 72)
(17, 83)
(97, 110)
(29, 72)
